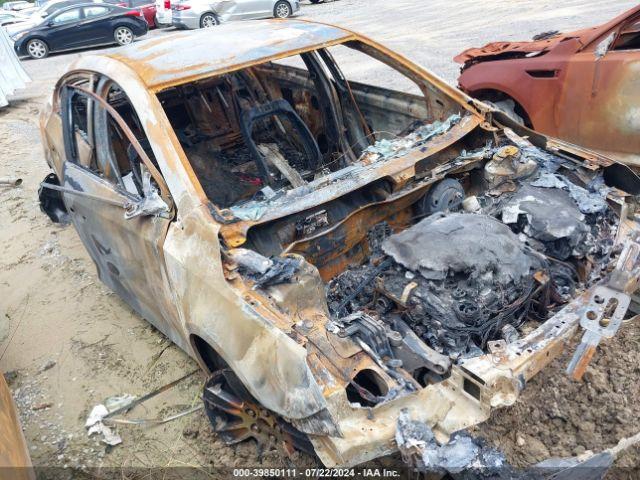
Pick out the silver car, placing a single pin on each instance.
(10, 17)
(17, 6)
(209, 13)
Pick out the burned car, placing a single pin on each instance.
(579, 86)
(338, 256)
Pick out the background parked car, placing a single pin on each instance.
(579, 86)
(53, 6)
(17, 6)
(163, 13)
(207, 13)
(146, 7)
(10, 17)
(80, 26)
(45, 10)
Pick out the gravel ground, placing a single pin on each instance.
(56, 314)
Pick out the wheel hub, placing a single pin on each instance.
(36, 49)
(124, 36)
(236, 417)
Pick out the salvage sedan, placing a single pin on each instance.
(345, 260)
(81, 26)
(206, 14)
(579, 86)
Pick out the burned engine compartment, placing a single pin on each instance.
(503, 248)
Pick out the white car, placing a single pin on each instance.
(209, 13)
(163, 13)
(17, 6)
(10, 17)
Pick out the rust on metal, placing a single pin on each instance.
(286, 187)
(14, 454)
(578, 86)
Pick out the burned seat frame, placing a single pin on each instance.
(278, 108)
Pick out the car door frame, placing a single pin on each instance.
(62, 30)
(248, 9)
(88, 22)
(262, 12)
(128, 253)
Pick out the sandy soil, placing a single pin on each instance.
(53, 309)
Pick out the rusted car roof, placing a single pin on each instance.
(186, 56)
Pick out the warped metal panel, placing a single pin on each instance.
(12, 75)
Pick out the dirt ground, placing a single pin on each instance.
(69, 343)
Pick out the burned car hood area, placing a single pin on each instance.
(338, 252)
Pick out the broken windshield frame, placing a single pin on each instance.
(335, 127)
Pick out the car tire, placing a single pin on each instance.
(123, 35)
(208, 20)
(282, 9)
(37, 48)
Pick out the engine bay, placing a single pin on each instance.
(485, 263)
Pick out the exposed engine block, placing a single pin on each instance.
(461, 279)
(528, 239)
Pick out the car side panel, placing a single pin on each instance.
(94, 31)
(537, 84)
(254, 9)
(61, 37)
(138, 25)
(610, 106)
(269, 363)
(149, 12)
(127, 253)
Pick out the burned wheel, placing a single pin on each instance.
(236, 417)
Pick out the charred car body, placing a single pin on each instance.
(579, 86)
(332, 252)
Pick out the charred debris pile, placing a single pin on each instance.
(486, 262)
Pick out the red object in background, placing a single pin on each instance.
(579, 86)
(145, 9)
(167, 4)
(149, 14)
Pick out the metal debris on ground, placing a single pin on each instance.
(117, 404)
(154, 421)
(94, 425)
(462, 453)
(10, 181)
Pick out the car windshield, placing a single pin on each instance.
(303, 123)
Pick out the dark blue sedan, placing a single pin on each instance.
(79, 26)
